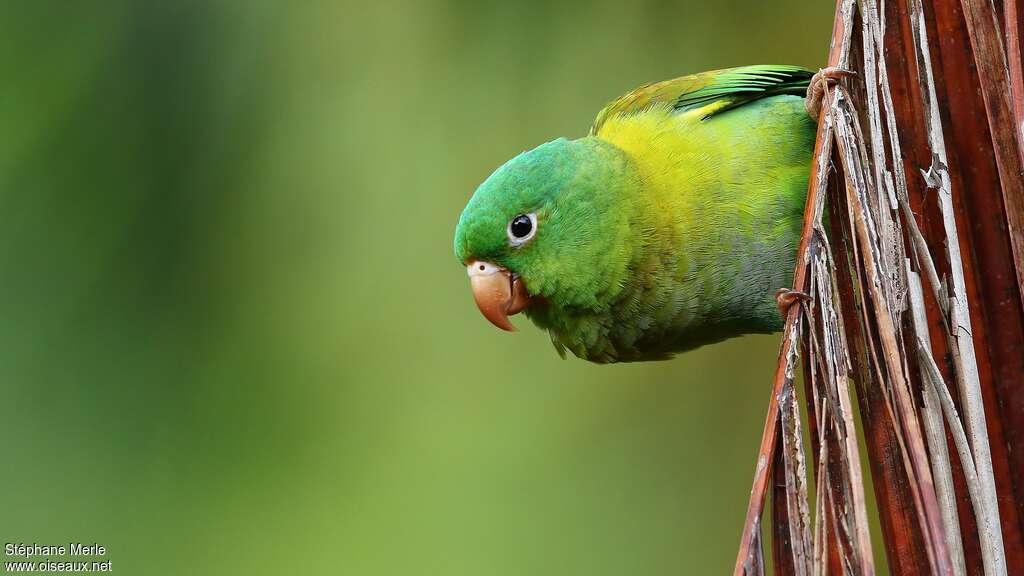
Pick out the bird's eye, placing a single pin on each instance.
(521, 229)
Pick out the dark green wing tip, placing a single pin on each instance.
(732, 87)
(745, 84)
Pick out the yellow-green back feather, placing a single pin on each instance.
(713, 91)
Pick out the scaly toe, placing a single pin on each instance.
(785, 298)
(820, 82)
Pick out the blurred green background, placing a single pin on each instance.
(235, 339)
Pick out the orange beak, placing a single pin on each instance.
(498, 293)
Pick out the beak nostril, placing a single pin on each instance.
(498, 292)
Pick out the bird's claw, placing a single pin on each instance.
(820, 82)
(785, 298)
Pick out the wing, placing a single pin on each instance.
(715, 91)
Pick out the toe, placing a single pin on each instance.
(785, 298)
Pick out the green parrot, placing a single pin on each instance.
(670, 226)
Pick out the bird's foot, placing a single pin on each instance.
(785, 298)
(820, 82)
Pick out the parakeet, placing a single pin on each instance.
(669, 226)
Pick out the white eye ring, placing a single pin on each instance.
(517, 241)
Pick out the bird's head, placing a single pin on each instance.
(549, 227)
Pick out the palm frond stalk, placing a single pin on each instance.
(916, 301)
